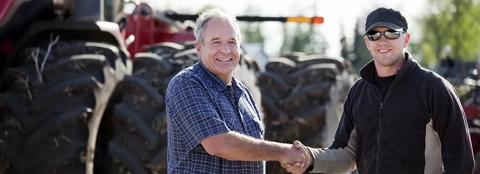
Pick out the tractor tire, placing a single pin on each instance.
(44, 111)
(136, 129)
(138, 141)
(299, 92)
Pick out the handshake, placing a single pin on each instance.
(297, 158)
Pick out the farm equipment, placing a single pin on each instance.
(82, 85)
(471, 106)
(61, 63)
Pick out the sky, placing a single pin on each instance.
(339, 15)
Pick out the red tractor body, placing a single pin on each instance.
(147, 29)
(472, 112)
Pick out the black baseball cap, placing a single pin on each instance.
(386, 17)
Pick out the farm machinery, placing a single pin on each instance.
(82, 85)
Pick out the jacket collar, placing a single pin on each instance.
(368, 71)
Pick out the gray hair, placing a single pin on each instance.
(203, 19)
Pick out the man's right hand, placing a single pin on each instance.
(299, 166)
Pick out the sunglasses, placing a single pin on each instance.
(389, 34)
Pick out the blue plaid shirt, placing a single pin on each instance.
(200, 105)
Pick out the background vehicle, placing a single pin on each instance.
(82, 86)
(471, 106)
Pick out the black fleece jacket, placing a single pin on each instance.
(391, 132)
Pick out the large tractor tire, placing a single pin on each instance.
(300, 94)
(47, 100)
(135, 132)
(138, 140)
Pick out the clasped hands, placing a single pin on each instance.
(297, 159)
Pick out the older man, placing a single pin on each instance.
(214, 125)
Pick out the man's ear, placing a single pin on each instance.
(198, 46)
(365, 39)
(407, 40)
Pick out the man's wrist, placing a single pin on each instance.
(275, 150)
(310, 167)
(284, 152)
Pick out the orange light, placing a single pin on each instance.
(317, 20)
(300, 19)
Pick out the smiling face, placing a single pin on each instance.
(219, 51)
(388, 54)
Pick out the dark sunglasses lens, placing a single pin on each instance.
(374, 35)
(392, 34)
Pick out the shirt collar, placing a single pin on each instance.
(215, 81)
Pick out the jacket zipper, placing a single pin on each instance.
(380, 124)
(378, 137)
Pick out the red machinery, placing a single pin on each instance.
(472, 112)
(147, 29)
